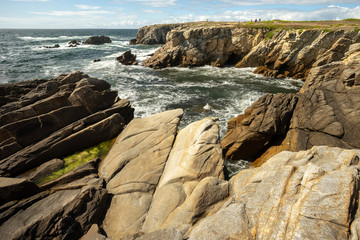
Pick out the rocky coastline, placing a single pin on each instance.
(161, 182)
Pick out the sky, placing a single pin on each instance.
(124, 14)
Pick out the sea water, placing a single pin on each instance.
(202, 91)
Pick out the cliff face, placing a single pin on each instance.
(155, 34)
(288, 53)
(198, 46)
(295, 53)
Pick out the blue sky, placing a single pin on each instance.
(137, 13)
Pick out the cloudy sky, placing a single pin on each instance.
(136, 13)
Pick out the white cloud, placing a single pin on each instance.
(328, 13)
(156, 3)
(151, 11)
(87, 7)
(288, 2)
(72, 13)
(29, 0)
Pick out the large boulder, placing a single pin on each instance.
(311, 194)
(160, 182)
(265, 121)
(97, 40)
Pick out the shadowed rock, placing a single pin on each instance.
(97, 40)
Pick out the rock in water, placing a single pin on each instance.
(96, 40)
(127, 58)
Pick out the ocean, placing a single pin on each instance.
(202, 92)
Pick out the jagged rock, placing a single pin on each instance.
(198, 46)
(73, 43)
(64, 214)
(97, 60)
(155, 34)
(16, 188)
(96, 40)
(327, 113)
(43, 170)
(306, 195)
(127, 58)
(267, 119)
(132, 41)
(10, 92)
(294, 53)
(56, 117)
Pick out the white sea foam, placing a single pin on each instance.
(34, 39)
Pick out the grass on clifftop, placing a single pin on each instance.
(277, 24)
(75, 160)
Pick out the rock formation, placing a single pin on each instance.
(96, 40)
(326, 113)
(295, 53)
(155, 34)
(311, 194)
(198, 46)
(289, 53)
(56, 118)
(127, 58)
(155, 168)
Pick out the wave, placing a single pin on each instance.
(34, 39)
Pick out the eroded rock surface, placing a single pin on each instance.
(306, 195)
(198, 46)
(57, 117)
(326, 113)
(295, 53)
(155, 34)
(67, 211)
(160, 182)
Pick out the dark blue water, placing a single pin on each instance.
(201, 92)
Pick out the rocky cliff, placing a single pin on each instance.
(198, 46)
(275, 53)
(154, 34)
(324, 112)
